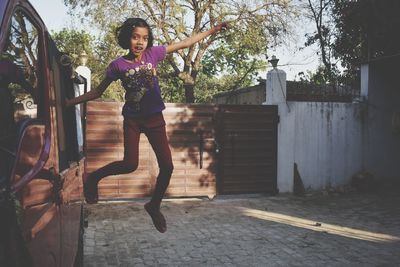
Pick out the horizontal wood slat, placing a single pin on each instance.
(248, 138)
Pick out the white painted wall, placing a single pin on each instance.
(324, 139)
(327, 143)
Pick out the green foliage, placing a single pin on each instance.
(106, 50)
(74, 43)
(114, 92)
(368, 29)
(236, 55)
(171, 86)
(318, 77)
(99, 53)
(206, 87)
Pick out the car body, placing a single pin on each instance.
(41, 150)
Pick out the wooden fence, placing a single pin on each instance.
(198, 156)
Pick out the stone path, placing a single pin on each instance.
(339, 230)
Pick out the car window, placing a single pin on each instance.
(19, 83)
(19, 66)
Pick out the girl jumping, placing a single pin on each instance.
(142, 110)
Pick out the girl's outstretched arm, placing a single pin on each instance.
(92, 94)
(195, 38)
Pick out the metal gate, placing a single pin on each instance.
(215, 149)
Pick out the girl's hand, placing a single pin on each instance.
(221, 27)
(67, 102)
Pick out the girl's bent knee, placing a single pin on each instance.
(130, 167)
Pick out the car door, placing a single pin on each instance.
(70, 151)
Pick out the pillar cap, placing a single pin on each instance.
(83, 58)
(274, 61)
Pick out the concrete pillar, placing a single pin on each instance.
(276, 95)
(276, 87)
(85, 72)
(364, 81)
(362, 101)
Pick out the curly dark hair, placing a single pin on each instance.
(124, 32)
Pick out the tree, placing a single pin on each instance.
(349, 45)
(99, 54)
(370, 25)
(320, 13)
(352, 32)
(367, 30)
(254, 24)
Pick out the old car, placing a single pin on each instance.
(41, 145)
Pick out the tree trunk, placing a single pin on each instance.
(188, 77)
(189, 92)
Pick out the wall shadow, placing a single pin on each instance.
(192, 138)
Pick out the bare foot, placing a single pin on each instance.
(157, 217)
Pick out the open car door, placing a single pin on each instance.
(41, 160)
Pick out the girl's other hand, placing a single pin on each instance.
(67, 102)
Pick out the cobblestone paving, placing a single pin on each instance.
(339, 230)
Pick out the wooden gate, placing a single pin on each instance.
(190, 129)
(247, 140)
(207, 141)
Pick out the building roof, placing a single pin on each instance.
(261, 85)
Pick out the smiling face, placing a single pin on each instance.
(139, 40)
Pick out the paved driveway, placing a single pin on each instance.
(336, 230)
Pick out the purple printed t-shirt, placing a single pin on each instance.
(142, 96)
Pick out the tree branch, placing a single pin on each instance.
(252, 67)
(173, 64)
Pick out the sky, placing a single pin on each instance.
(53, 13)
(292, 61)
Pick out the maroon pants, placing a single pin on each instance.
(153, 127)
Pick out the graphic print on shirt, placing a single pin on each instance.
(137, 81)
